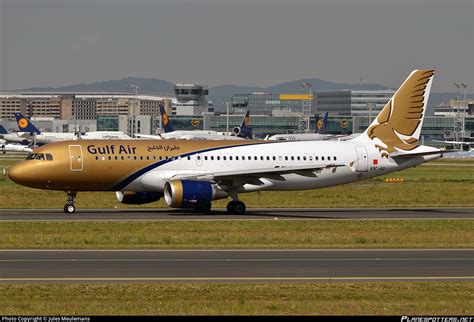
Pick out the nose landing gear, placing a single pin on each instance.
(69, 208)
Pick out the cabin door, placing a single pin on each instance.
(362, 163)
(75, 157)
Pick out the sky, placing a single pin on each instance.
(241, 42)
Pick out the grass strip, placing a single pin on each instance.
(365, 298)
(442, 233)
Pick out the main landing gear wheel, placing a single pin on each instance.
(236, 207)
(69, 208)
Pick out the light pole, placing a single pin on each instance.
(227, 117)
(132, 119)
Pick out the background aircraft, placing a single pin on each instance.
(29, 131)
(11, 137)
(239, 133)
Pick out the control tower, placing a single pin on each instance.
(191, 99)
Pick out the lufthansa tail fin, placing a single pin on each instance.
(244, 131)
(3, 130)
(25, 125)
(167, 126)
(398, 126)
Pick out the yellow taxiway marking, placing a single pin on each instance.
(240, 250)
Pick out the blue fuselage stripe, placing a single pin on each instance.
(120, 186)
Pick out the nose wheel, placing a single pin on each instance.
(69, 208)
(236, 207)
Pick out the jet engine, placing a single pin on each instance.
(191, 193)
(243, 132)
(138, 198)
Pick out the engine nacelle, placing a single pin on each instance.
(243, 132)
(138, 198)
(191, 193)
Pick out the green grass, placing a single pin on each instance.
(381, 298)
(240, 234)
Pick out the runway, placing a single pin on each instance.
(147, 214)
(237, 266)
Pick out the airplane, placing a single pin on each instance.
(7, 147)
(31, 132)
(11, 137)
(319, 134)
(239, 133)
(191, 174)
(463, 145)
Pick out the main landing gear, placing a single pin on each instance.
(235, 207)
(69, 208)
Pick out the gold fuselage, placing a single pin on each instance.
(103, 164)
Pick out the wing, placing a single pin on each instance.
(404, 112)
(242, 177)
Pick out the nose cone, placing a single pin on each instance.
(17, 173)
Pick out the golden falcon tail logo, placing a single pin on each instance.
(22, 123)
(396, 125)
(246, 120)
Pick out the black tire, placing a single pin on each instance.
(69, 209)
(239, 208)
(231, 207)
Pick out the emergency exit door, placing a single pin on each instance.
(75, 157)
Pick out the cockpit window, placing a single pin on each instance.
(40, 156)
(31, 156)
(49, 157)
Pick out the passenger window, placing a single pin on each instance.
(123, 158)
(135, 157)
(310, 158)
(49, 157)
(110, 158)
(304, 158)
(322, 158)
(116, 158)
(286, 158)
(230, 158)
(40, 156)
(334, 158)
(316, 158)
(218, 158)
(237, 158)
(298, 158)
(268, 158)
(205, 158)
(189, 157)
(224, 158)
(199, 157)
(329, 158)
(243, 158)
(255, 158)
(212, 158)
(96, 157)
(292, 158)
(274, 158)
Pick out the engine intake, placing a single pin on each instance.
(191, 193)
(138, 198)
